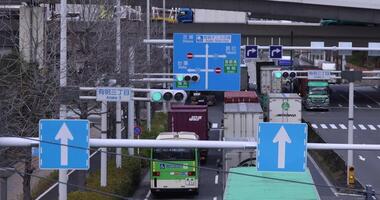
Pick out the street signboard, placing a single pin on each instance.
(283, 62)
(215, 57)
(275, 51)
(251, 51)
(282, 147)
(317, 45)
(319, 75)
(113, 94)
(64, 144)
(345, 45)
(374, 45)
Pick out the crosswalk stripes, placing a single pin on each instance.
(333, 126)
(344, 127)
(362, 127)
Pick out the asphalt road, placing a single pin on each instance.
(332, 127)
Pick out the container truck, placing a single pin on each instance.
(189, 15)
(240, 97)
(241, 120)
(315, 93)
(268, 83)
(192, 118)
(285, 107)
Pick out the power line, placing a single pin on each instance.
(205, 168)
(70, 184)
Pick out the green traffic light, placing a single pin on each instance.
(156, 96)
(180, 77)
(277, 74)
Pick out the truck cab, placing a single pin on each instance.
(317, 96)
(185, 15)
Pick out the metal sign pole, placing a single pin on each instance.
(103, 155)
(118, 70)
(131, 119)
(62, 190)
(149, 112)
(118, 133)
(350, 159)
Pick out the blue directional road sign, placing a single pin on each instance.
(282, 147)
(251, 51)
(215, 57)
(275, 51)
(64, 144)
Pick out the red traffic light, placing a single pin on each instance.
(285, 74)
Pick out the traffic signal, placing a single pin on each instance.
(351, 175)
(168, 95)
(187, 77)
(285, 74)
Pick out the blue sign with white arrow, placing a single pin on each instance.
(214, 57)
(282, 147)
(64, 144)
(275, 51)
(251, 51)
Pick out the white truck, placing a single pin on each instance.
(269, 84)
(241, 120)
(191, 15)
(285, 107)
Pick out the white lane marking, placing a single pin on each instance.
(215, 198)
(342, 126)
(323, 126)
(361, 158)
(371, 127)
(354, 127)
(369, 106)
(314, 126)
(333, 126)
(378, 157)
(378, 126)
(333, 190)
(147, 195)
(216, 179)
(355, 106)
(340, 105)
(362, 127)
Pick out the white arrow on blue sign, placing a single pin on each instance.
(275, 51)
(64, 144)
(251, 51)
(282, 147)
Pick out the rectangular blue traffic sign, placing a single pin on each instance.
(64, 144)
(275, 51)
(251, 51)
(282, 147)
(215, 57)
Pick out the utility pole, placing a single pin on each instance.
(148, 104)
(62, 190)
(164, 104)
(118, 70)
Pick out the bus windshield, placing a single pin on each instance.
(173, 154)
(318, 91)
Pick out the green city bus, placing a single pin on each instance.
(174, 169)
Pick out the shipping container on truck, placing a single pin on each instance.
(240, 97)
(269, 84)
(256, 76)
(285, 107)
(191, 118)
(241, 120)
